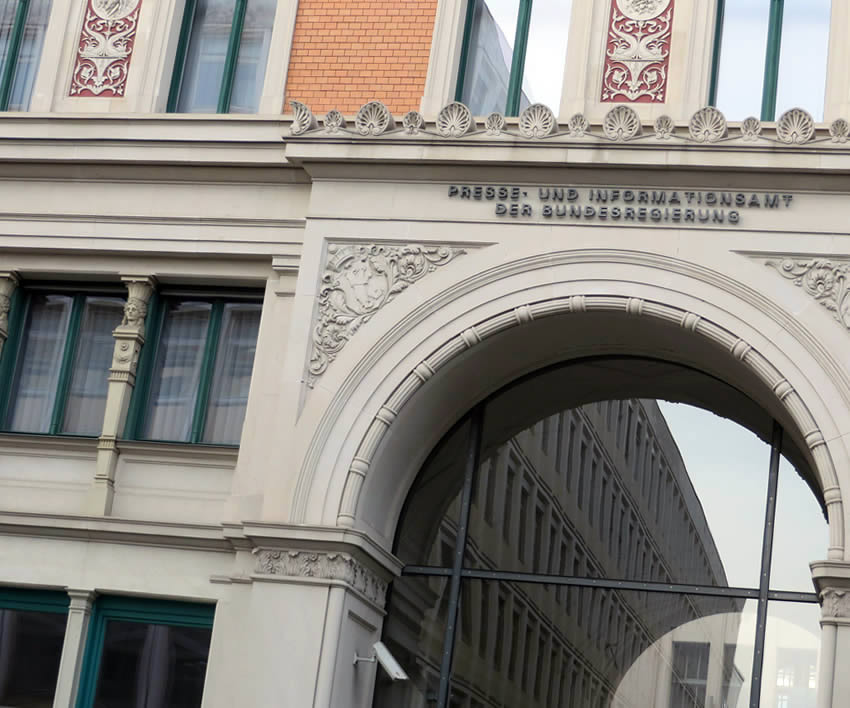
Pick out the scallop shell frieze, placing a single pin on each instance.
(373, 118)
(751, 128)
(412, 122)
(665, 128)
(494, 124)
(839, 130)
(302, 120)
(707, 125)
(795, 126)
(537, 121)
(334, 121)
(578, 126)
(621, 123)
(454, 120)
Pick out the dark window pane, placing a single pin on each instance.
(39, 361)
(429, 522)
(204, 68)
(30, 650)
(488, 64)
(650, 649)
(89, 375)
(152, 665)
(414, 631)
(232, 375)
(177, 370)
(253, 56)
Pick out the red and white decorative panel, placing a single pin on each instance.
(105, 48)
(637, 54)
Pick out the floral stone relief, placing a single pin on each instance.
(358, 280)
(105, 48)
(823, 279)
(637, 55)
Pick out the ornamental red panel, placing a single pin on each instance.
(637, 54)
(105, 48)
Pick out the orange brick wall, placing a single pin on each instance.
(347, 53)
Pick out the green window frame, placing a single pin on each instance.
(10, 357)
(34, 600)
(518, 58)
(139, 403)
(226, 88)
(13, 52)
(132, 609)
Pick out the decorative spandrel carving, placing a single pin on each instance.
(637, 56)
(359, 279)
(105, 48)
(322, 566)
(824, 280)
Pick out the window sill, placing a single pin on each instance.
(214, 454)
(49, 443)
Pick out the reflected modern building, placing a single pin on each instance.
(320, 328)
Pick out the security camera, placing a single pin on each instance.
(388, 662)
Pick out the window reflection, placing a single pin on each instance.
(30, 650)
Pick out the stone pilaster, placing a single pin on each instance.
(832, 580)
(8, 283)
(129, 338)
(68, 681)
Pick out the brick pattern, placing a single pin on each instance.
(347, 53)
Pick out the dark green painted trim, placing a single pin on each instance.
(715, 57)
(9, 357)
(464, 49)
(147, 358)
(229, 72)
(173, 613)
(180, 55)
(63, 384)
(14, 48)
(34, 600)
(199, 416)
(518, 60)
(771, 60)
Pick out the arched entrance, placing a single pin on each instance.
(562, 548)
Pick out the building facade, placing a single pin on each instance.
(302, 304)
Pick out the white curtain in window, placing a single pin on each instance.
(87, 395)
(253, 56)
(154, 667)
(29, 55)
(232, 377)
(39, 361)
(204, 67)
(174, 385)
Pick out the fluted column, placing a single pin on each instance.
(129, 338)
(79, 613)
(8, 283)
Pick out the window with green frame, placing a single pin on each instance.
(55, 364)
(221, 56)
(32, 632)
(22, 27)
(513, 55)
(769, 56)
(145, 652)
(195, 369)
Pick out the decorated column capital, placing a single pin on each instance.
(130, 334)
(832, 580)
(8, 282)
(311, 566)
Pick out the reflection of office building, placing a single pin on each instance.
(598, 491)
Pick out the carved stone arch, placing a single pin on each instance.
(731, 337)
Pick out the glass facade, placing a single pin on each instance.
(613, 550)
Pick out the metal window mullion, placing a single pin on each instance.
(229, 72)
(766, 558)
(199, 417)
(8, 75)
(715, 59)
(180, 55)
(63, 384)
(472, 457)
(518, 60)
(771, 60)
(464, 49)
